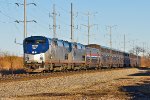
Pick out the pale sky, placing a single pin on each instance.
(132, 18)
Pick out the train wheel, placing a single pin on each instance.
(44, 71)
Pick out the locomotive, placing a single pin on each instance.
(52, 54)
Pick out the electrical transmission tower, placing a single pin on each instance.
(54, 21)
(110, 34)
(89, 26)
(72, 23)
(124, 43)
(25, 16)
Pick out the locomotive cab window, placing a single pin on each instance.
(79, 46)
(29, 41)
(54, 43)
(49, 41)
(40, 41)
(60, 43)
(74, 45)
(83, 47)
(66, 45)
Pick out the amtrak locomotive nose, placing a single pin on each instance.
(35, 45)
(34, 50)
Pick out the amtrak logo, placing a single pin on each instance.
(34, 46)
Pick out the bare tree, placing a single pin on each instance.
(137, 50)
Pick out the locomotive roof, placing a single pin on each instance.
(90, 45)
(104, 47)
(36, 37)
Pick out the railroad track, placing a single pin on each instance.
(26, 76)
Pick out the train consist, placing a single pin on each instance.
(51, 54)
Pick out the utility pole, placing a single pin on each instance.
(25, 27)
(89, 26)
(124, 42)
(25, 21)
(25, 17)
(72, 40)
(72, 23)
(54, 21)
(143, 50)
(134, 52)
(110, 34)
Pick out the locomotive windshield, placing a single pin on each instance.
(36, 45)
(38, 41)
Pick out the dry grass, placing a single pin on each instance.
(11, 62)
(145, 62)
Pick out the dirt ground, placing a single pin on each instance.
(135, 86)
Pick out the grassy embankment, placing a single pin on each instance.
(11, 64)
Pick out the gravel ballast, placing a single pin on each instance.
(62, 84)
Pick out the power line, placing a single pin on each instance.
(6, 15)
(7, 21)
(61, 8)
(40, 19)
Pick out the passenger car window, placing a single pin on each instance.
(60, 43)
